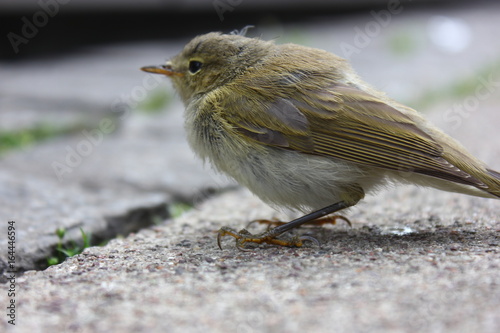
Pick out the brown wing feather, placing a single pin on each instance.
(347, 123)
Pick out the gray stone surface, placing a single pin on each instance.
(144, 166)
(144, 153)
(415, 260)
(442, 275)
(118, 162)
(39, 206)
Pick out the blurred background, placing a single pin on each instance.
(86, 136)
(61, 57)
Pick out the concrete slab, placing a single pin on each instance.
(415, 260)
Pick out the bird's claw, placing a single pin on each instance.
(243, 236)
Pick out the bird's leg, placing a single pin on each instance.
(318, 222)
(270, 237)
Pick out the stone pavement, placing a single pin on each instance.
(415, 260)
(115, 174)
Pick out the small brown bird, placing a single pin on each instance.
(300, 129)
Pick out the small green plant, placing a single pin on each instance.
(178, 208)
(10, 140)
(403, 43)
(461, 88)
(156, 101)
(66, 251)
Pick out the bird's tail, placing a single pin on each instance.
(493, 182)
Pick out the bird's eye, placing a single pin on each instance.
(194, 66)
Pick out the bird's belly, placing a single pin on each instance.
(293, 179)
(279, 176)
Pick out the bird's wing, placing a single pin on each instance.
(343, 122)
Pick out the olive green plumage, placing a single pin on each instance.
(299, 128)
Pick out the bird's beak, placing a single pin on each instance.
(162, 69)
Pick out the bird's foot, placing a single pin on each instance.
(243, 237)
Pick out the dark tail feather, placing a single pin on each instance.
(494, 173)
(494, 185)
